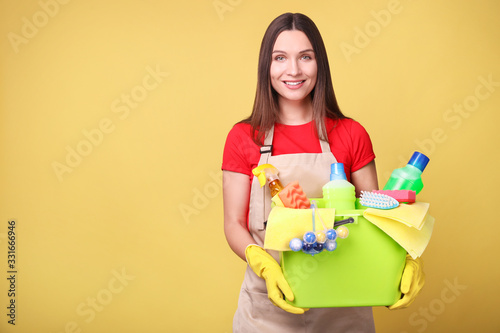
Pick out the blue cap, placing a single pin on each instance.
(337, 171)
(419, 160)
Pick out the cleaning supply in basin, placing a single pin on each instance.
(409, 176)
(315, 241)
(407, 196)
(338, 193)
(292, 196)
(267, 172)
(377, 200)
(284, 224)
(412, 215)
(409, 225)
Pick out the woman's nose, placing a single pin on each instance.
(293, 67)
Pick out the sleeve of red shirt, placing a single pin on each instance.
(239, 150)
(362, 148)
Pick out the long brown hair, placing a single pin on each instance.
(266, 108)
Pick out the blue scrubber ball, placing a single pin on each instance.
(330, 245)
(331, 234)
(318, 247)
(309, 237)
(296, 244)
(307, 247)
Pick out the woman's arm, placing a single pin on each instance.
(236, 196)
(365, 179)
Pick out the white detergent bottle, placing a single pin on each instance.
(338, 193)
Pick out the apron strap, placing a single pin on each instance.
(265, 152)
(268, 141)
(267, 149)
(325, 146)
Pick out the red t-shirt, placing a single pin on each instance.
(349, 143)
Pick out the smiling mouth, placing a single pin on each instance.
(294, 83)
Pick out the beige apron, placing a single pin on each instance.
(255, 311)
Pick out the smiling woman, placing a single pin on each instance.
(297, 126)
(292, 33)
(293, 76)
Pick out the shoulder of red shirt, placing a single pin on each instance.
(349, 142)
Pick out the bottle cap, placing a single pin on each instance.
(337, 171)
(419, 160)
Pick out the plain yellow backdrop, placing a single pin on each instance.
(113, 117)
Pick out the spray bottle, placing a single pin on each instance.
(267, 172)
(338, 193)
(409, 176)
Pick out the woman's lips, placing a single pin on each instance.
(294, 84)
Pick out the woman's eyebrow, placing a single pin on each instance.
(303, 51)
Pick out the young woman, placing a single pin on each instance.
(297, 126)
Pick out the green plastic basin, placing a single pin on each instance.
(364, 270)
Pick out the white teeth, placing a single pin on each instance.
(293, 83)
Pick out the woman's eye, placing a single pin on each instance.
(306, 57)
(279, 58)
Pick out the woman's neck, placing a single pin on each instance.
(296, 112)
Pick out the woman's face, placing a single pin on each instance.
(293, 67)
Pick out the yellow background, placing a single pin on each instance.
(146, 203)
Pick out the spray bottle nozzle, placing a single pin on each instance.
(267, 172)
(264, 172)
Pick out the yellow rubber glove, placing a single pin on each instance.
(264, 265)
(412, 282)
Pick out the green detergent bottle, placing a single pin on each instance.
(409, 177)
(338, 193)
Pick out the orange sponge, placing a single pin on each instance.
(292, 196)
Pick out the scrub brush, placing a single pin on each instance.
(377, 200)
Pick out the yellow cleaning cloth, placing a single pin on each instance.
(284, 224)
(413, 215)
(409, 225)
(277, 200)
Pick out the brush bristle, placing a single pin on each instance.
(377, 200)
